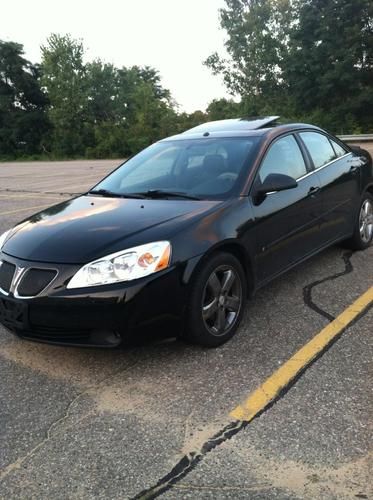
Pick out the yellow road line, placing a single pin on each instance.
(23, 209)
(271, 388)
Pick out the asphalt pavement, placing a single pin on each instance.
(154, 417)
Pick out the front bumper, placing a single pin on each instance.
(96, 316)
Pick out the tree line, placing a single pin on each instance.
(306, 60)
(65, 108)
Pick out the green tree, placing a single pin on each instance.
(134, 78)
(128, 108)
(219, 109)
(102, 92)
(151, 117)
(258, 35)
(23, 120)
(186, 121)
(64, 78)
(303, 59)
(329, 69)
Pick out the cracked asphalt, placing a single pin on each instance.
(88, 423)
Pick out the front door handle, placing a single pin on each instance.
(313, 191)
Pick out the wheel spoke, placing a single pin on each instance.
(214, 284)
(209, 310)
(220, 320)
(232, 303)
(367, 232)
(228, 281)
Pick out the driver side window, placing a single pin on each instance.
(283, 157)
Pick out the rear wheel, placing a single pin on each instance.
(216, 302)
(363, 233)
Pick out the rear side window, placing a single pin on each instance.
(283, 157)
(339, 151)
(319, 147)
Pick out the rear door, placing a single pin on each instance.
(339, 174)
(286, 222)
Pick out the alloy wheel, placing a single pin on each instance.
(366, 221)
(222, 300)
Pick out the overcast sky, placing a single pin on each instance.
(174, 36)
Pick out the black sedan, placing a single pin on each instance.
(187, 229)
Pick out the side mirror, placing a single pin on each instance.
(273, 183)
(276, 182)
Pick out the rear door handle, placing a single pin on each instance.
(353, 169)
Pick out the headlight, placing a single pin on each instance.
(126, 265)
(3, 237)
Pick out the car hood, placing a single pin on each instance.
(87, 228)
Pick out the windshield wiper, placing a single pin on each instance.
(111, 194)
(159, 193)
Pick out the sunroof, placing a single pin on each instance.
(234, 124)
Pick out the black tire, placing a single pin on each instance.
(363, 231)
(217, 301)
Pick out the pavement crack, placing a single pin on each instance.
(225, 488)
(61, 193)
(307, 290)
(187, 428)
(190, 460)
(56, 427)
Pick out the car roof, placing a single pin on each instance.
(240, 127)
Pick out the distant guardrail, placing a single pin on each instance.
(357, 138)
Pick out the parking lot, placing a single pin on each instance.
(155, 418)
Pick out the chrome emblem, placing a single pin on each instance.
(19, 272)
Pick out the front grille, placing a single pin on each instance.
(34, 281)
(7, 271)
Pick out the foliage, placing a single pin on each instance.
(98, 110)
(329, 68)
(64, 78)
(23, 120)
(257, 37)
(219, 109)
(304, 59)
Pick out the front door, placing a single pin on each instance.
(287, 222)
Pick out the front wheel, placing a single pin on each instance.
(363, 233)
(216, 302)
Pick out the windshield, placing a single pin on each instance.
(195, 169)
